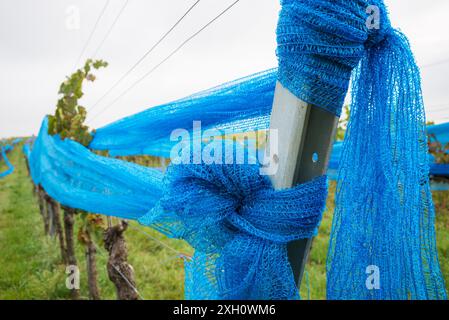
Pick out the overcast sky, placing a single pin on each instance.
(40, 43)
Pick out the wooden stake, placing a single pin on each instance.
(305, 138)
(120, 272)
(58, 227)
(69, 221)
(41, 198)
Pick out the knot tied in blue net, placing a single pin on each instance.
(377, 37)
(239, 226)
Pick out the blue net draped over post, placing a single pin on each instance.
(239, 226)
(384, 216)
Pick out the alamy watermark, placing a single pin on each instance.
(213, 146)
(72, 282)
(373, 280)
(373, 20)
(73, 18)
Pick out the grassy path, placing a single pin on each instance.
(30, 266)
(29, 262)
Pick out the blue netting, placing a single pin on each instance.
(9, 166)
(239, 226)
(78, 178)
(26, 150)
(441, 133)
(439, 169)
(239, 106)
(384, 215)
(16, 141)
(230, 214)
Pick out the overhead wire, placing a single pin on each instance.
(97, 22)
(164, 60)
(139, 61)
(117, 17)
(437, 63)
(446, 108)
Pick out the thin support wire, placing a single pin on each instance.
(128, 282)
(144, 56)
(434, 64)
(110, 30)
(91, 33)
(121, 274)
(164, 60)
(149, 236)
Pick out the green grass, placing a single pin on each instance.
(316, 266)
(30, 266)
(441, 200)
(29, 261)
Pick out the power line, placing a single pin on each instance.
(436, 118)
(110, 29)
(445, 108)
(92, 33)
(437, 63)
(144, 55)
(439, 105)
(165, 59)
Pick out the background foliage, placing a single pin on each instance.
(69, 117)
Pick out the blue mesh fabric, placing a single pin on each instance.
(16, 141)
(241, 105)
(439, 169)
(320, 42)
(9, 167)
(230, 214)
(78, 178)
(384, 214)
(239, 226)
(26, 150)
(440, 131)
